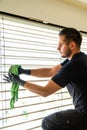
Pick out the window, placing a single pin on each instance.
(32, 45)
(84, 43)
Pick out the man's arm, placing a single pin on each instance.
(43, 91)
(46, 72)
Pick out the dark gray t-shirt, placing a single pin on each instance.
(73, 75)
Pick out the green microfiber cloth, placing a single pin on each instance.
(15, 86)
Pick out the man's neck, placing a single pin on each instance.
(76, 52)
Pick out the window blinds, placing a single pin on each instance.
(31, 45)
(84, 43)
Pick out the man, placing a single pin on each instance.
(72, 73)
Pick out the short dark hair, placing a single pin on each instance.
(71, 34)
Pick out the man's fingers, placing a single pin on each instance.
(6, 78)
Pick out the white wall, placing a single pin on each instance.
(53, 11)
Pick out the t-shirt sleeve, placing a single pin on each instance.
(63, 77)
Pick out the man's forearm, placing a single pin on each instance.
(43, 72)
(44, 91)
(46, 72)
(35, 88)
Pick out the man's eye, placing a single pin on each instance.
(61, 44)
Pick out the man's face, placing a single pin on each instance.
(64, 48)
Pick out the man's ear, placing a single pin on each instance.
(72, 45)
